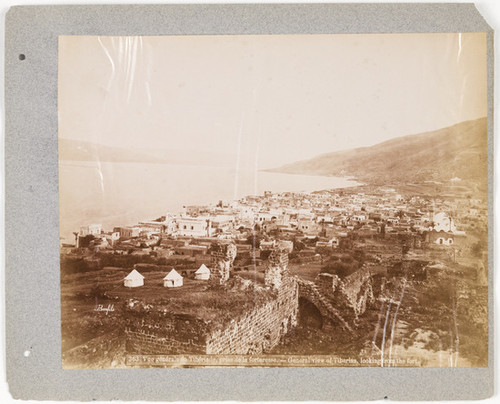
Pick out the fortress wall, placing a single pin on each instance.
(156, 334)
(261, 329)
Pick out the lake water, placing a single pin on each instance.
(115, 194)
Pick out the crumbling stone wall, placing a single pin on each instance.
(327, 283)
(144, 343)
(340, 301)
(256, 331)
(332, 316)
(154, 333)
(358, 291)
(223, 256)
(261, 329)
(277, 268)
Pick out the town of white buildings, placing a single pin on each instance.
(327, 216)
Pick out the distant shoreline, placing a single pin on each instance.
(105, 192)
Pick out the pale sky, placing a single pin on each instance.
(269, 99)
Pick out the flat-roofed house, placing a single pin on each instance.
(444, 222)
(309, 227)
(223, 222)
(127, 232)
(91, 229)
(194, 226)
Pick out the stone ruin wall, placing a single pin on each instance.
(277, 269)
(357, 289)
(261, 329)
(223, 256)
(256, 331)
(164, 335)
(327, 284)
(349, 296)
(144, 343)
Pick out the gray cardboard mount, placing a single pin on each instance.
(32, 234)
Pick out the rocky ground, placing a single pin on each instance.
(439, 321)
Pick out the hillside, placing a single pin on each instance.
(77, 150)
(456, 151)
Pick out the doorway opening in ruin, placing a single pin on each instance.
(309, 314)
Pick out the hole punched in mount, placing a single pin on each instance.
(22, 56)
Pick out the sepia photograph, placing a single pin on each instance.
(273, 200)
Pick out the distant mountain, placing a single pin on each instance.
(76, 150)
(458, 151)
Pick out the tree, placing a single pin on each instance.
(360, 256)
(341, 269)
(345, 244)
(298, 245)
(311, 241)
